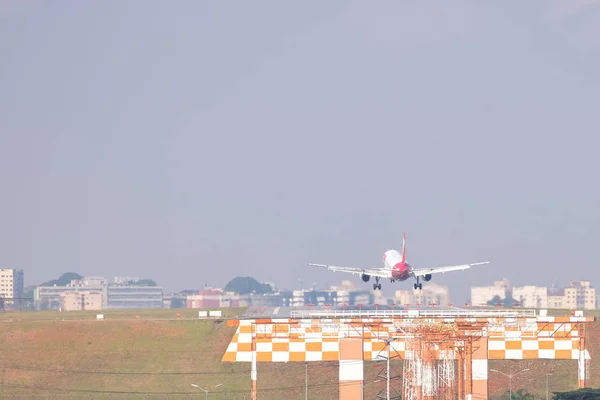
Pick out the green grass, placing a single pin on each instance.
(587, 313)
(120, 314)
(73, 355)
(124, 357)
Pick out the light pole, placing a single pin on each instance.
(306, 380)
(547, 375)
(509, 378)
(205, 390)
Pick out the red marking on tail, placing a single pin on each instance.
(404, 249)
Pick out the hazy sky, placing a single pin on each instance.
(196, 141)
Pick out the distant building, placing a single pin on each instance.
(432, 293)
(556, 298)
(580, 295)
(121, 280)
(213, 298)
(481, 295)
(11, 284)
(81, 300)
(131, 296)
(343, 297)
(113, 295)
(337, 296)
(278, 299)
(298, 298)
(531, 296)
(89, 281)
(360, 298)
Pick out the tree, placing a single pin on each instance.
(63, 280)
(521, 394)
(246, 285)
(28, 292)
(507, 302)
(495, 300)
(177, 302)
(581, 394)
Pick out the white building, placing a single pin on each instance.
(11, 284)
(132, 296)
(343, 297)
(81, 300)
(430, 294)
(531, 296)
(298, 298)
(480, 295)
(580, 295)
(122, 280)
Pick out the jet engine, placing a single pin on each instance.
(365, 277)
(427, 277)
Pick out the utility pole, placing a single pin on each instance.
(253, 374)
(306, 380)
(388, 370)
(547, 374)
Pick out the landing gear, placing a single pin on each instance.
(377, 285)
(418, 285)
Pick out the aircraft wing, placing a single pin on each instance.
(448, 268)
(381, 273)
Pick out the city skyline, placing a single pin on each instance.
(326, 283)
(358, 286)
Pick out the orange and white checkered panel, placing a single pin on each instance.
(284, 340)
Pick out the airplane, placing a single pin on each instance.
(395, 268)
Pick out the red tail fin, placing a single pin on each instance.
(404, 249)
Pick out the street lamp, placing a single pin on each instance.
(205, 390)
(509, 378)
(547, 375)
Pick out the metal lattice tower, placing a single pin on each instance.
(389, 372)
(446, 375)
(429, 369)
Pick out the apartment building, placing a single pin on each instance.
(531, 296)
(81, 300)
(480, 295)
(11, 284)
(430, 294)
(556, 297)
(580, 295)
(50, 297)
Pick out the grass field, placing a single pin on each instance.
(154, 354)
